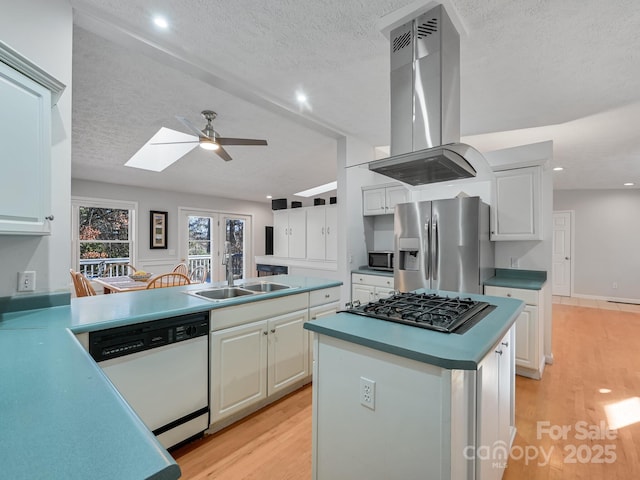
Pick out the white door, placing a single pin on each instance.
(561, 258)
(298, 233)
(199, 242)
(236, 229)
(281, 233)
(331, 229)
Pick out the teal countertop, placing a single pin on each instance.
(515, 278)
(447, 350)
(369, 271)
(60, 417)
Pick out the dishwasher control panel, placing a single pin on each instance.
(126, 340)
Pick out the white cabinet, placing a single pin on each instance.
(322, 230)
(495, 407)
(517, 203)
(370, 288)
(289, 233)
(322, 303)
(25, 136)
(238, 368)
(382, 200)
(257, 350)
(288, 351)
(529, 338)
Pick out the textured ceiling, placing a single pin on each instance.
(564, 70)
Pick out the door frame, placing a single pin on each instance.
(218, 233)
(573, 250)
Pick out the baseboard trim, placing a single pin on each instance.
(634, 301)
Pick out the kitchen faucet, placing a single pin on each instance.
(226, 260)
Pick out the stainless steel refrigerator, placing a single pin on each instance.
(443, 245)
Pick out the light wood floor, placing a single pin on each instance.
(597, 364)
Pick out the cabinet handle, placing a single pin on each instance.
(322, 231)
(50, 218)
(326, 295)
(506, 344)
(388, 282)
(265, 333)
(499, 352)
(508, 294)
(329, 231)
(273, 330)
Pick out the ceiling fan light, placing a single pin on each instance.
(208, 144)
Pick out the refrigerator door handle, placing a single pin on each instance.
(436, 249)
(426, 249)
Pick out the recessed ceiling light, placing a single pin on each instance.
(160, 22)
(269, 197)
(301, 97)
(629, 184)
(558, 169)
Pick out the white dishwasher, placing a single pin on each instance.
(161, 368)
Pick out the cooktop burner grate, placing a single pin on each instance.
(426, 310)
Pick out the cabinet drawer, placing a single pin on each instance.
(326, 295)
(374, 280)
(530, 297)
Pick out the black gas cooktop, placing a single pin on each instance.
(431, 311)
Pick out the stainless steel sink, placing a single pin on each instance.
(223, 293)
(265, 287)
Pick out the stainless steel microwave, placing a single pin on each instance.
(381, 260)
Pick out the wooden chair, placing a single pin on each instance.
(114, 269)
(83, 286)
(199, 274)
(181, 268)
(76, 285)
(168, 280)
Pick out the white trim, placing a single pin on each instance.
(29, 69)
(77, 202)
(635, 301)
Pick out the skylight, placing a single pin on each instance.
(158, 157)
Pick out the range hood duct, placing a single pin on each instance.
(425, 104)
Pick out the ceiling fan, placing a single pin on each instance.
(209, 139)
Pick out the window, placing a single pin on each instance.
(103, 236)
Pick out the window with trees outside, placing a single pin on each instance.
(103, 236)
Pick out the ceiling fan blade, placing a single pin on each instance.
(222, 153)
(187, 123)
(173, 143)
(239, 141)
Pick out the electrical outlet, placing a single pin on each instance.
(27, 281)
(368, 393)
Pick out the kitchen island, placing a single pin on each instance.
(61, 416)
(396, 401)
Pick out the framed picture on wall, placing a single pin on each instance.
(158, 233)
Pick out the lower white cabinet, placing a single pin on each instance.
(495, 407)
(529, 339)
(322, 303)
(238, 368)
(258, 349)
(370, 288)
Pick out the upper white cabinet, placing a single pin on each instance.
(322, 233)
(25, 136)
(289, 233)
(383, 200)
(517, 204)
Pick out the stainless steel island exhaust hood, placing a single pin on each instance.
(425, 105)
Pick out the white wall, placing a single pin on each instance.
(606, 239)
(167, 201)
(41, 30)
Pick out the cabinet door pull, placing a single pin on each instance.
(265, 333)
(328, 230)
(49, 217)
(508, 295)
(273, 330)
(499, 352)
(326, 295)
(506, 344)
